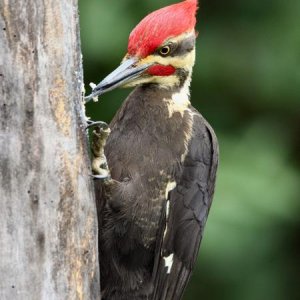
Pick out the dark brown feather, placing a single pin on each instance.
(190, 202)
(144, 153)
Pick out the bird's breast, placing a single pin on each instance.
(145, 150)
(151, 140)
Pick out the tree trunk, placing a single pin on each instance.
(48, 222)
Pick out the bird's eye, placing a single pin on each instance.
(165, 50)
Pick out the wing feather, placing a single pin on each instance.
(181, 231)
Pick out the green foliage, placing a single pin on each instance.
(247, 84)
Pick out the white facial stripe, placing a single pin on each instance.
(164, 81)
(183, 96)
(180, 102)
(185, 62)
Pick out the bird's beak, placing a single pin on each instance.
(127, 72)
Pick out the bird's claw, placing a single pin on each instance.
(99, 124)
(99, 137)
(100, 177)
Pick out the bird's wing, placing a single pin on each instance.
(184, 216)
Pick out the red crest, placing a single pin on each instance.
(160, 25)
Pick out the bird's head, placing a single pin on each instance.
(161, 50)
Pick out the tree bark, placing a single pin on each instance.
(48, 222)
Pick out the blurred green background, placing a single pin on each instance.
(247, 84)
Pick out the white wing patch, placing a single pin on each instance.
(167, 208)
(170, 186)
(169, 262)
(167, 215)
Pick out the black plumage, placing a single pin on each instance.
(162, 156)
(146, 219)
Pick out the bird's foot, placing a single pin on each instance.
(101, 177)
(99, 163)
(96, 123)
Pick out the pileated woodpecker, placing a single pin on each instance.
(162, 158)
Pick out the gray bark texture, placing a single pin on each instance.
(48, 222)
